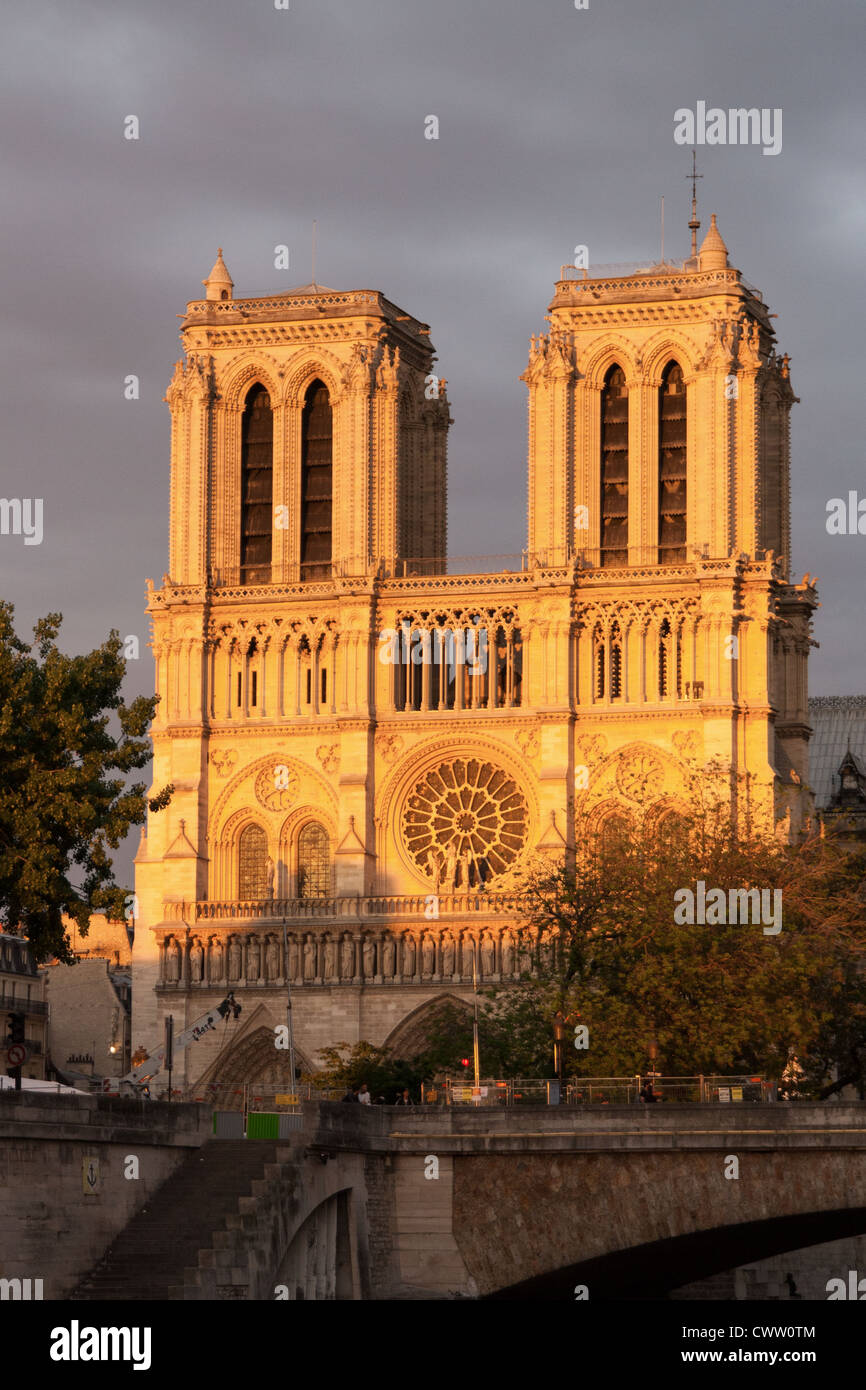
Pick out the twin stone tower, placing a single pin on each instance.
(376, 751)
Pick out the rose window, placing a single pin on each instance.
(466, 821)
(276, 786)
(640, 777)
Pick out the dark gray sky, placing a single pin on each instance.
(556, 128)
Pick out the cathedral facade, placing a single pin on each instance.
(369, 752)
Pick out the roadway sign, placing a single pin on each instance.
(286, 1100)
(17, 1054)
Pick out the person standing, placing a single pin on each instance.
(351, 1093)
(364, 1095)
(404, 1098)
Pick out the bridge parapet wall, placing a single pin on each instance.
(54, 1223)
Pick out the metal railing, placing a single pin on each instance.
(15, 1004)
(603, 1090)
(247, 1096)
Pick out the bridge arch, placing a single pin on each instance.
(655, 1270)
(317, 1265)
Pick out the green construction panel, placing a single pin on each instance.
(260, 1126)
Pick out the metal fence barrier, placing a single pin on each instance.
(604, 1090)
(247, 1097)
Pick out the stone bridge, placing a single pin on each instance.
(436, 1203)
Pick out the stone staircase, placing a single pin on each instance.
(204, 1209)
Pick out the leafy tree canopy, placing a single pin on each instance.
(64, 800)
(607, 945)
(348, 1064)
(602, 943)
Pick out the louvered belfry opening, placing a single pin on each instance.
(672, 466)
(316, 483)
(257, 487)
(614, 470)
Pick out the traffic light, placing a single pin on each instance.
(16, 1028)
(464, 1061)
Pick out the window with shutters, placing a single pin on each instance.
(316, 483)
(257, 447)
(672, 466)
(614, 470)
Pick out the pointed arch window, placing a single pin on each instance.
(257, 449)
(615, 661)
(253, 863)
(672, 466)
(314, 862)
(316, 483)
(613, 836)
(670, 661)
(614, 470)
(598, 652)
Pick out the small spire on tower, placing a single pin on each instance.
(219, 283)
(714, 252)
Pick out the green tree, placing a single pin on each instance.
(64, 800)
(350, 1064)
(606, 948)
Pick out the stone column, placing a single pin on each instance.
(330, 1292)
(426, 671)
(263, 703)
(185, 972)
(332, 653)
(320, 957)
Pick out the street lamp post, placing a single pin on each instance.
(653, 1051)
(289, 1011)
(476, 1091)
(558, 1045)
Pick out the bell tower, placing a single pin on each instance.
(308, 438)
(308, 464)
(659, 474)
(659, 419)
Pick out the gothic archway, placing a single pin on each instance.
(411, 1035)
(257, 1061)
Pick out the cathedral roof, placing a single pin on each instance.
(838, 726)
(713, 253)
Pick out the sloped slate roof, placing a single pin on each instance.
(836, 720)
